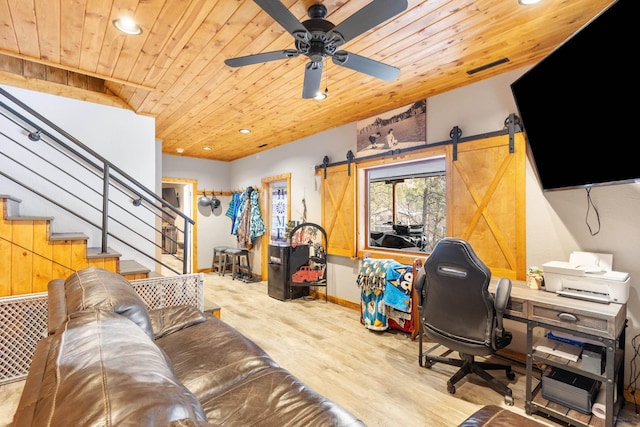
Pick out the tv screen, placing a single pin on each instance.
(576, 105)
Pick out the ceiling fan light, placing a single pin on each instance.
(321, 96)
(127, 25)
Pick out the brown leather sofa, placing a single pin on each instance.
(108, 361)
(495, 416)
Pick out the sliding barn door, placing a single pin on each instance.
(486, 201)
(339, 209)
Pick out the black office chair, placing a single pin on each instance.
(458, 312)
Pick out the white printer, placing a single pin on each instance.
(587, 276)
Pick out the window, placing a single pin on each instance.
(407, 207)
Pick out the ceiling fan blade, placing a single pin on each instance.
(285, 18)
(365, 65)
(261, 57)
(368, 17)
(312, 79)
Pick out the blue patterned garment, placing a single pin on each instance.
(397, 292)
(239, 205)
(232, 212)
(373, 311)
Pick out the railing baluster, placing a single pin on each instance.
(105, 207)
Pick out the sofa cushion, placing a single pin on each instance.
(106, 290)
(212, 356)
(167, 320)
(104, 370)
(274, 397)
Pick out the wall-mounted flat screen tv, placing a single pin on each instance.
(577, 105)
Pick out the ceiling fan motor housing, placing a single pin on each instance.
(320, 45)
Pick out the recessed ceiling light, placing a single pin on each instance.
(180, 150)
(528, 2)
(207, 148)
(127, 25)
(244, 130)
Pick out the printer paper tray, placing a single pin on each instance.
(588, 296)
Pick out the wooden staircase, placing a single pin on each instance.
(31, 255)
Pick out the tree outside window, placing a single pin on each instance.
(407, 205)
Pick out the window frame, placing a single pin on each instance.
(362, 198)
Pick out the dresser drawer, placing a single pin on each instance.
(592, 323)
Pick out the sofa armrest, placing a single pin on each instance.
(30, 393)
(57, 310)
(167, 320)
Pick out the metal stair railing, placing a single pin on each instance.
(52, 165)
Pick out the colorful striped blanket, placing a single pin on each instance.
(385, 294)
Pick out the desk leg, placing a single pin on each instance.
(529, 377)
(611, 381)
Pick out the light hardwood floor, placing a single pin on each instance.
(375, 375)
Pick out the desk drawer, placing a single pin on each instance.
(515, 309)
(577, 321)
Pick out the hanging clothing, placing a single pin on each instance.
(244, 227)
(251, 224)
(232, 211)
(239, 205)
(256, 224)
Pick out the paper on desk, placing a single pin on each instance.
(557, 348)
(591, 261)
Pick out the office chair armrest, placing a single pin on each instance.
(419, 284)
(503, 291)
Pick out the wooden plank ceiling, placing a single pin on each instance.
(174, 70)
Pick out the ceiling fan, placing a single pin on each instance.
(318, 38)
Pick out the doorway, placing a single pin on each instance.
(180, 193)
(277, 208)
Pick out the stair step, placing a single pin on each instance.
(28, 218)
(93, 253)
(131, 267)
(68, 236)
(12, 204)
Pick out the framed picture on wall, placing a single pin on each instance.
(400, 128)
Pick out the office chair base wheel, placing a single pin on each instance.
(451, 388)
(508, 400)
(510, 375)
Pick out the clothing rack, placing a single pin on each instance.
(225, 193)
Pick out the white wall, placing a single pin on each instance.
(120, 136)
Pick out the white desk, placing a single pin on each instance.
(603, 322)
